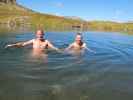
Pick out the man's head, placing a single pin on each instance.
(78, 37)
(39, 34)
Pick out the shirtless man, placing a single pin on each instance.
(39, 43)
(78, 45)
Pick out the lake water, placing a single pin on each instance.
(104, 75)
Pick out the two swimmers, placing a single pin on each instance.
(40, 43)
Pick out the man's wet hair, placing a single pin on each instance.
(79, 33)
(42, 31)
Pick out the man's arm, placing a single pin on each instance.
(28, 42)
(69, 47)
(88, 49)
(51, 46)
(19, 44)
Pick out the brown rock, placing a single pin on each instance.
(8, 1)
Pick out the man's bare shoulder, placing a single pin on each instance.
(73, 44)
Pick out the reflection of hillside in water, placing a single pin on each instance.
(12, 27)
(8, 28)
(20, 23)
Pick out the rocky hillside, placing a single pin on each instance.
(8, 1)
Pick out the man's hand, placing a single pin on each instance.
(88, 49)
(7, 46)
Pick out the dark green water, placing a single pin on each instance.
(105, 75)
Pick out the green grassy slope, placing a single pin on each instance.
(20, 15)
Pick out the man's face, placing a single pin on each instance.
(78, 38)
(39, 34)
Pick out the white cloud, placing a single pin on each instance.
(58, 14)
(59, 4)
(118, 13)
